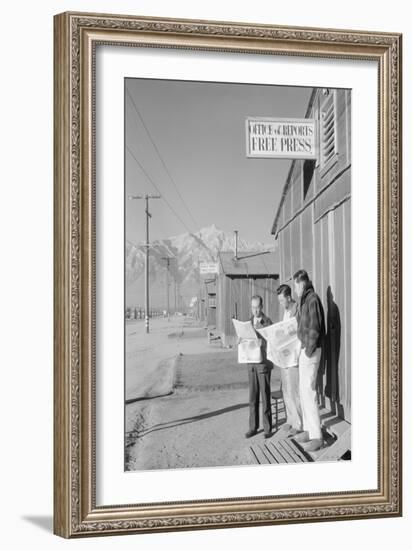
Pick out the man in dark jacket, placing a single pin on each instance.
(311, 333)
(259, 376)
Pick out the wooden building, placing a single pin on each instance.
(210, 302)
(238, 280)
(201, 304)
(313, 228)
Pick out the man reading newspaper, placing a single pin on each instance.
(283, 349)
(259, 373)
(290, 374)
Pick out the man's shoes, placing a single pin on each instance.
(293, 431)
(268, 434)
(302, 437)
(313, 445)
(250, 433)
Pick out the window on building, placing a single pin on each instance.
(308, 170)
(327, 128)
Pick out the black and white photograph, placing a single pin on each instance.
(237, 271)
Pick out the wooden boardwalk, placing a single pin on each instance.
(280, 449)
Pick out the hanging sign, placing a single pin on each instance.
(292, 138)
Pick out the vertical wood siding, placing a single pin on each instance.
(233, 300)
(314, 233)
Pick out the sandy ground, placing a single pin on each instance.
(149, 356)
(203, 421)
(151, 361)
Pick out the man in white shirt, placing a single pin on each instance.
(290, 375)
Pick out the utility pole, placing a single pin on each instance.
(199, 292)
(147, 245)
(167, 259)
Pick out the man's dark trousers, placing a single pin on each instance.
(259, 383)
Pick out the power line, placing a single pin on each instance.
(160, 156)
(168, 203)
(170, 176)
(157, 189)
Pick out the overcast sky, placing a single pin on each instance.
(198, 129)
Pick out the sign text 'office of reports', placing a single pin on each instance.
(281, 138)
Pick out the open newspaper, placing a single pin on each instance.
(249, 350)
(283, 344)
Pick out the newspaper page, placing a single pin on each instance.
(249, 350)
(244, 329)
(283, 347)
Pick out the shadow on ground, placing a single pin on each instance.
(44, 522)
(190, 419)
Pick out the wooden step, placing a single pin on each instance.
(279, 449)
(333, 423)
(337, 439)
(338, 448)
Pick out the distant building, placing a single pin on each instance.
(210, 302)
(238, 280)
(313, 228)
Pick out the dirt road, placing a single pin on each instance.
(203, 422)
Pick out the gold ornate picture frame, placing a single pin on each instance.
(76, 36)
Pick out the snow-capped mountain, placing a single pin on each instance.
(186, 251)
